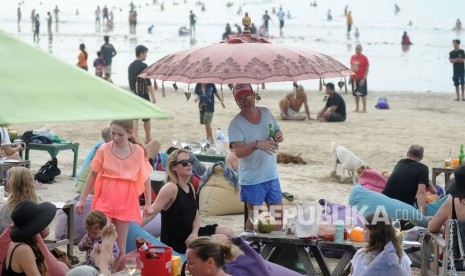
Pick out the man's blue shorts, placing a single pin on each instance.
(358, 90)
(458, 79)
(268, 191)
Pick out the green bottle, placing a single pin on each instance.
(461, 155)
(272, 134)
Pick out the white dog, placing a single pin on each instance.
(348, 160)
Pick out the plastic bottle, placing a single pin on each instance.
(461, 155)
(339, 237)
(302, 216)
(218, 141)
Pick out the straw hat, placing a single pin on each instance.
(30, 218)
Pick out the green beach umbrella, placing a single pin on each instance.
(36, 87)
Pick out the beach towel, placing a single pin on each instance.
(372, 180)
(230, 174)
(218, 193)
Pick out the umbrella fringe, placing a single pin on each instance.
(321, 85)
(222, 94)
(163, 88)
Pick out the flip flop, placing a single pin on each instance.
(288, 196)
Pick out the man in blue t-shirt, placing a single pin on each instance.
(206, 93)
(258, 172)
(335, 108)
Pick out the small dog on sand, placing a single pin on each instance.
(348, 160)
(285, 158)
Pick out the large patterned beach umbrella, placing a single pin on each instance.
(245, 58)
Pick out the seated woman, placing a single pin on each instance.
(453, 207)
(20, 186)
(8, 149)
(24, 256)
(378, 232)
(178, 206)
(206, 256)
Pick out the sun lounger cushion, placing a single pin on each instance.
(369, 202)
(252, 264)
(385, 264)
(372, 180)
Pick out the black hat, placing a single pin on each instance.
(30, 218)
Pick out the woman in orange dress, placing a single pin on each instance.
(82, 57)
(120, 173)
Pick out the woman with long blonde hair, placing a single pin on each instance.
(20, 186)
(180, 218)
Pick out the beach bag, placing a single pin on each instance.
(36, 138)
(382, 103)
(161, 265)
(47, 172)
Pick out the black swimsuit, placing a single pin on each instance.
(9, 271)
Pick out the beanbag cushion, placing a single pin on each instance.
(372, 180)
(54, 267)
(82, 178)
(252, 264)
(217, 195)
(79, 229)
(154, 226)
(369, 202)
(135, 231)
(385, 264)
(349, 214)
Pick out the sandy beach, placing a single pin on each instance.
(379, 137)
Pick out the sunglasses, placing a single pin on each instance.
(245, 99)
(184, 162)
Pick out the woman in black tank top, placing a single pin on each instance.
(452, 204)
(176, 201)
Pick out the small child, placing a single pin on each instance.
(99, 63)
(94, 223)
(377, 233)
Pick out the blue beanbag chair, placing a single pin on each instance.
(385, 264)
(369, 202)
(135, 231)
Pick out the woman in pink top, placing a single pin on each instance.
(120, 173)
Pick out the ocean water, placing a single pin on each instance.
(423, 67)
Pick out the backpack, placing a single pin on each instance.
(47, 172)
